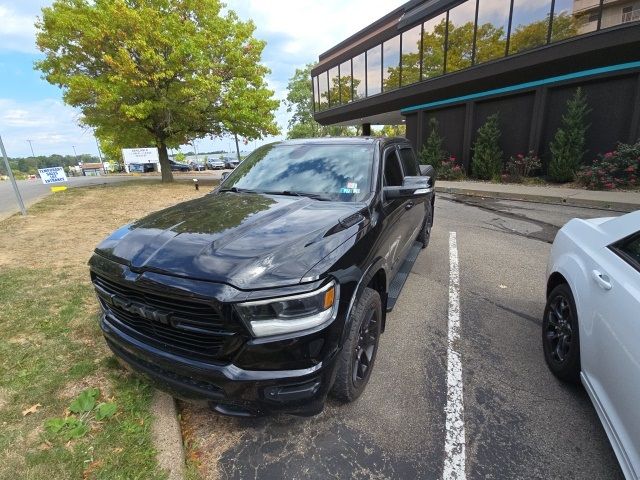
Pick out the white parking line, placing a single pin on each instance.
(454, 446)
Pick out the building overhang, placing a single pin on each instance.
(615, 45)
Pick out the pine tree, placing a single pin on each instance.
(568, 145)
(487, 154)
(432, 153)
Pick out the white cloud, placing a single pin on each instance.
(313, 27)
(51, 125)
(17, 30)
(297, 32)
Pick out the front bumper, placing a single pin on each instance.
(227, 388)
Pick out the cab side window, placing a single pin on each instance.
(392, 170)
(629, 250)
(409, 162)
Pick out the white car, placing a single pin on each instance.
(591, 323)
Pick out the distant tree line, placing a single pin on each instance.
(30, 165)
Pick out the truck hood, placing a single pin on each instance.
(243, 239)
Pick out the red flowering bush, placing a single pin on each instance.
(450, 170)
(617, 169)
(522, 166)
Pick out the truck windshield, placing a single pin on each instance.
(322, 171)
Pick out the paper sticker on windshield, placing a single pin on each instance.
(352, 185)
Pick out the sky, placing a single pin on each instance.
(296, 32)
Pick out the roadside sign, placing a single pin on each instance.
(140, 155)
(52, 175)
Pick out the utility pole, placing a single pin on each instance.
(31, 145)
(98, 145)
(237, 146)
(13, 180)
(195, 149)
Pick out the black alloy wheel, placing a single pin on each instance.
(425, 232)
(366, 347)
(560, 336)
(358, 355)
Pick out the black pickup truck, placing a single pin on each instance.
(271, 291)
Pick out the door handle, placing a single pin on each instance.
(409, 206)
(601, 279)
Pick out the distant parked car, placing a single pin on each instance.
(215, 164)
(138, 168)
(230, 162)
(197, 165)
(591, 323)
(179, 167)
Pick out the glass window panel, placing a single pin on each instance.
(584, 12)
(632, 250)
(529, 25)
(359, 75)
(411, 55)
(564, 23)
(345, 82)
(391, 60)
(374, 70)
(433, 46)
(316, 94)
(493, 24)
(460, 36)
(323, 89)
(334, 87)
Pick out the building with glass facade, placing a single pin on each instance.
(462, 61)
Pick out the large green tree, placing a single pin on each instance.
(157, 71)
(300, 104)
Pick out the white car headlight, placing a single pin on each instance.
(294, 313)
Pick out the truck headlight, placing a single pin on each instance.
(294, 313)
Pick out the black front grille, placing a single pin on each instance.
(183, 326)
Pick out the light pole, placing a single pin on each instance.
(13, 180)
(98, 145)
(195, 148)
(31, 145)
(75, 154)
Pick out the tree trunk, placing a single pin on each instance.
(237, 146)
(167, 174)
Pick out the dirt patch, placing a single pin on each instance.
(72, 389)
(62, 231)
(4, 398)
(207, 436)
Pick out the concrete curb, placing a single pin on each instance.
(528, 197)
(167, 437)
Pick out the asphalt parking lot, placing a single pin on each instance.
(516, 419)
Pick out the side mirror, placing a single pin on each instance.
(412, 187)
(428, 171)
(224, 175)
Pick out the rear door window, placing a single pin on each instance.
(629, 250)
(409, 162)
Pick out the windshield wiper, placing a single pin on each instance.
(237, 190)
(292, 193)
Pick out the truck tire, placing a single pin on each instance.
(358, 354)
(425, 232)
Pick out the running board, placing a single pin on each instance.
(395, 287)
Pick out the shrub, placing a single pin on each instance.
(450, 170)
(487, 154)
(568, 145)
(617, 169)
(522, 166)
(432, 153)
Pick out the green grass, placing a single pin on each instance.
(51, 349)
